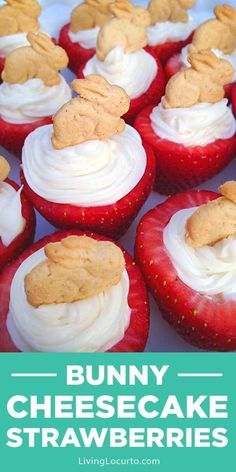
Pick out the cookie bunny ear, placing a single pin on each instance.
(224, 13)
(141, 17)
(41, 43)
(204, 61)
(94, 88)
(122, 9)
(4, 169)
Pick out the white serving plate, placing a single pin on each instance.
(162, 337)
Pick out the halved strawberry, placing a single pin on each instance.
(173, 65)
(178, 167)
(168, 49)
(2, 63)
(199, 319)
(77, 54)
(23, 240)
(111, 220)
(135, 336)
(12, 136)
(234, 99)
(152, 95)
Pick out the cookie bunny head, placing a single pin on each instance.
(29, 8)
(125, 9)
(203, 82)
(86, 266)
(126, 29)
(55, 55)
(226, 15)
(210, 67)
(4, 169)
(101, 5)
(94, 114)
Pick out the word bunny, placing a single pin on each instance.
(19, 16)
(214, 221)
(4, 169)
(42, 60)
(89, 14)
(76, 268)
(170, 10)
(219, 32)
(203, 82)
(94, 114)
(127, 29)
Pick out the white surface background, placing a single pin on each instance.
(162, 337)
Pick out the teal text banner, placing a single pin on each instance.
(117, 412)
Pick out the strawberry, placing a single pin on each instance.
(2, 63)
(178, 167)
(152, 95)
(136, 335)
(111, 220)
(77, 54)
(12, 136)
(168, 49)
(201, 320)
(23, 240)
(234, 99)
(174, 65)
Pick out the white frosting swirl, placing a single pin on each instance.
(198, 125)
(134, 72)
(12, 222)
(209, 270)
(86, 38)
(92, 325)
(90, 174)
(228, 57)
(28, 102)
(161, 33)
(11, 42)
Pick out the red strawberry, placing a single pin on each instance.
(152, 95)
(136, 335)
(111, 220)
(77, 54)
(12, 136)
(234, 99)
(168, 49)
(2, 63)
(178, 167)
(200, 320)
(175, 65)
(21, 242)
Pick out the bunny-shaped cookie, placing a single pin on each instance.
(89, 14)
(76, 268)
(19, 16)
(203, 82)
(170, 10)
(42, 60)
(94, 114)
(127, 29)
(4, 169)
(219, 32)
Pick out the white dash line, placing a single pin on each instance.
(200, 375)
(32, 375)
